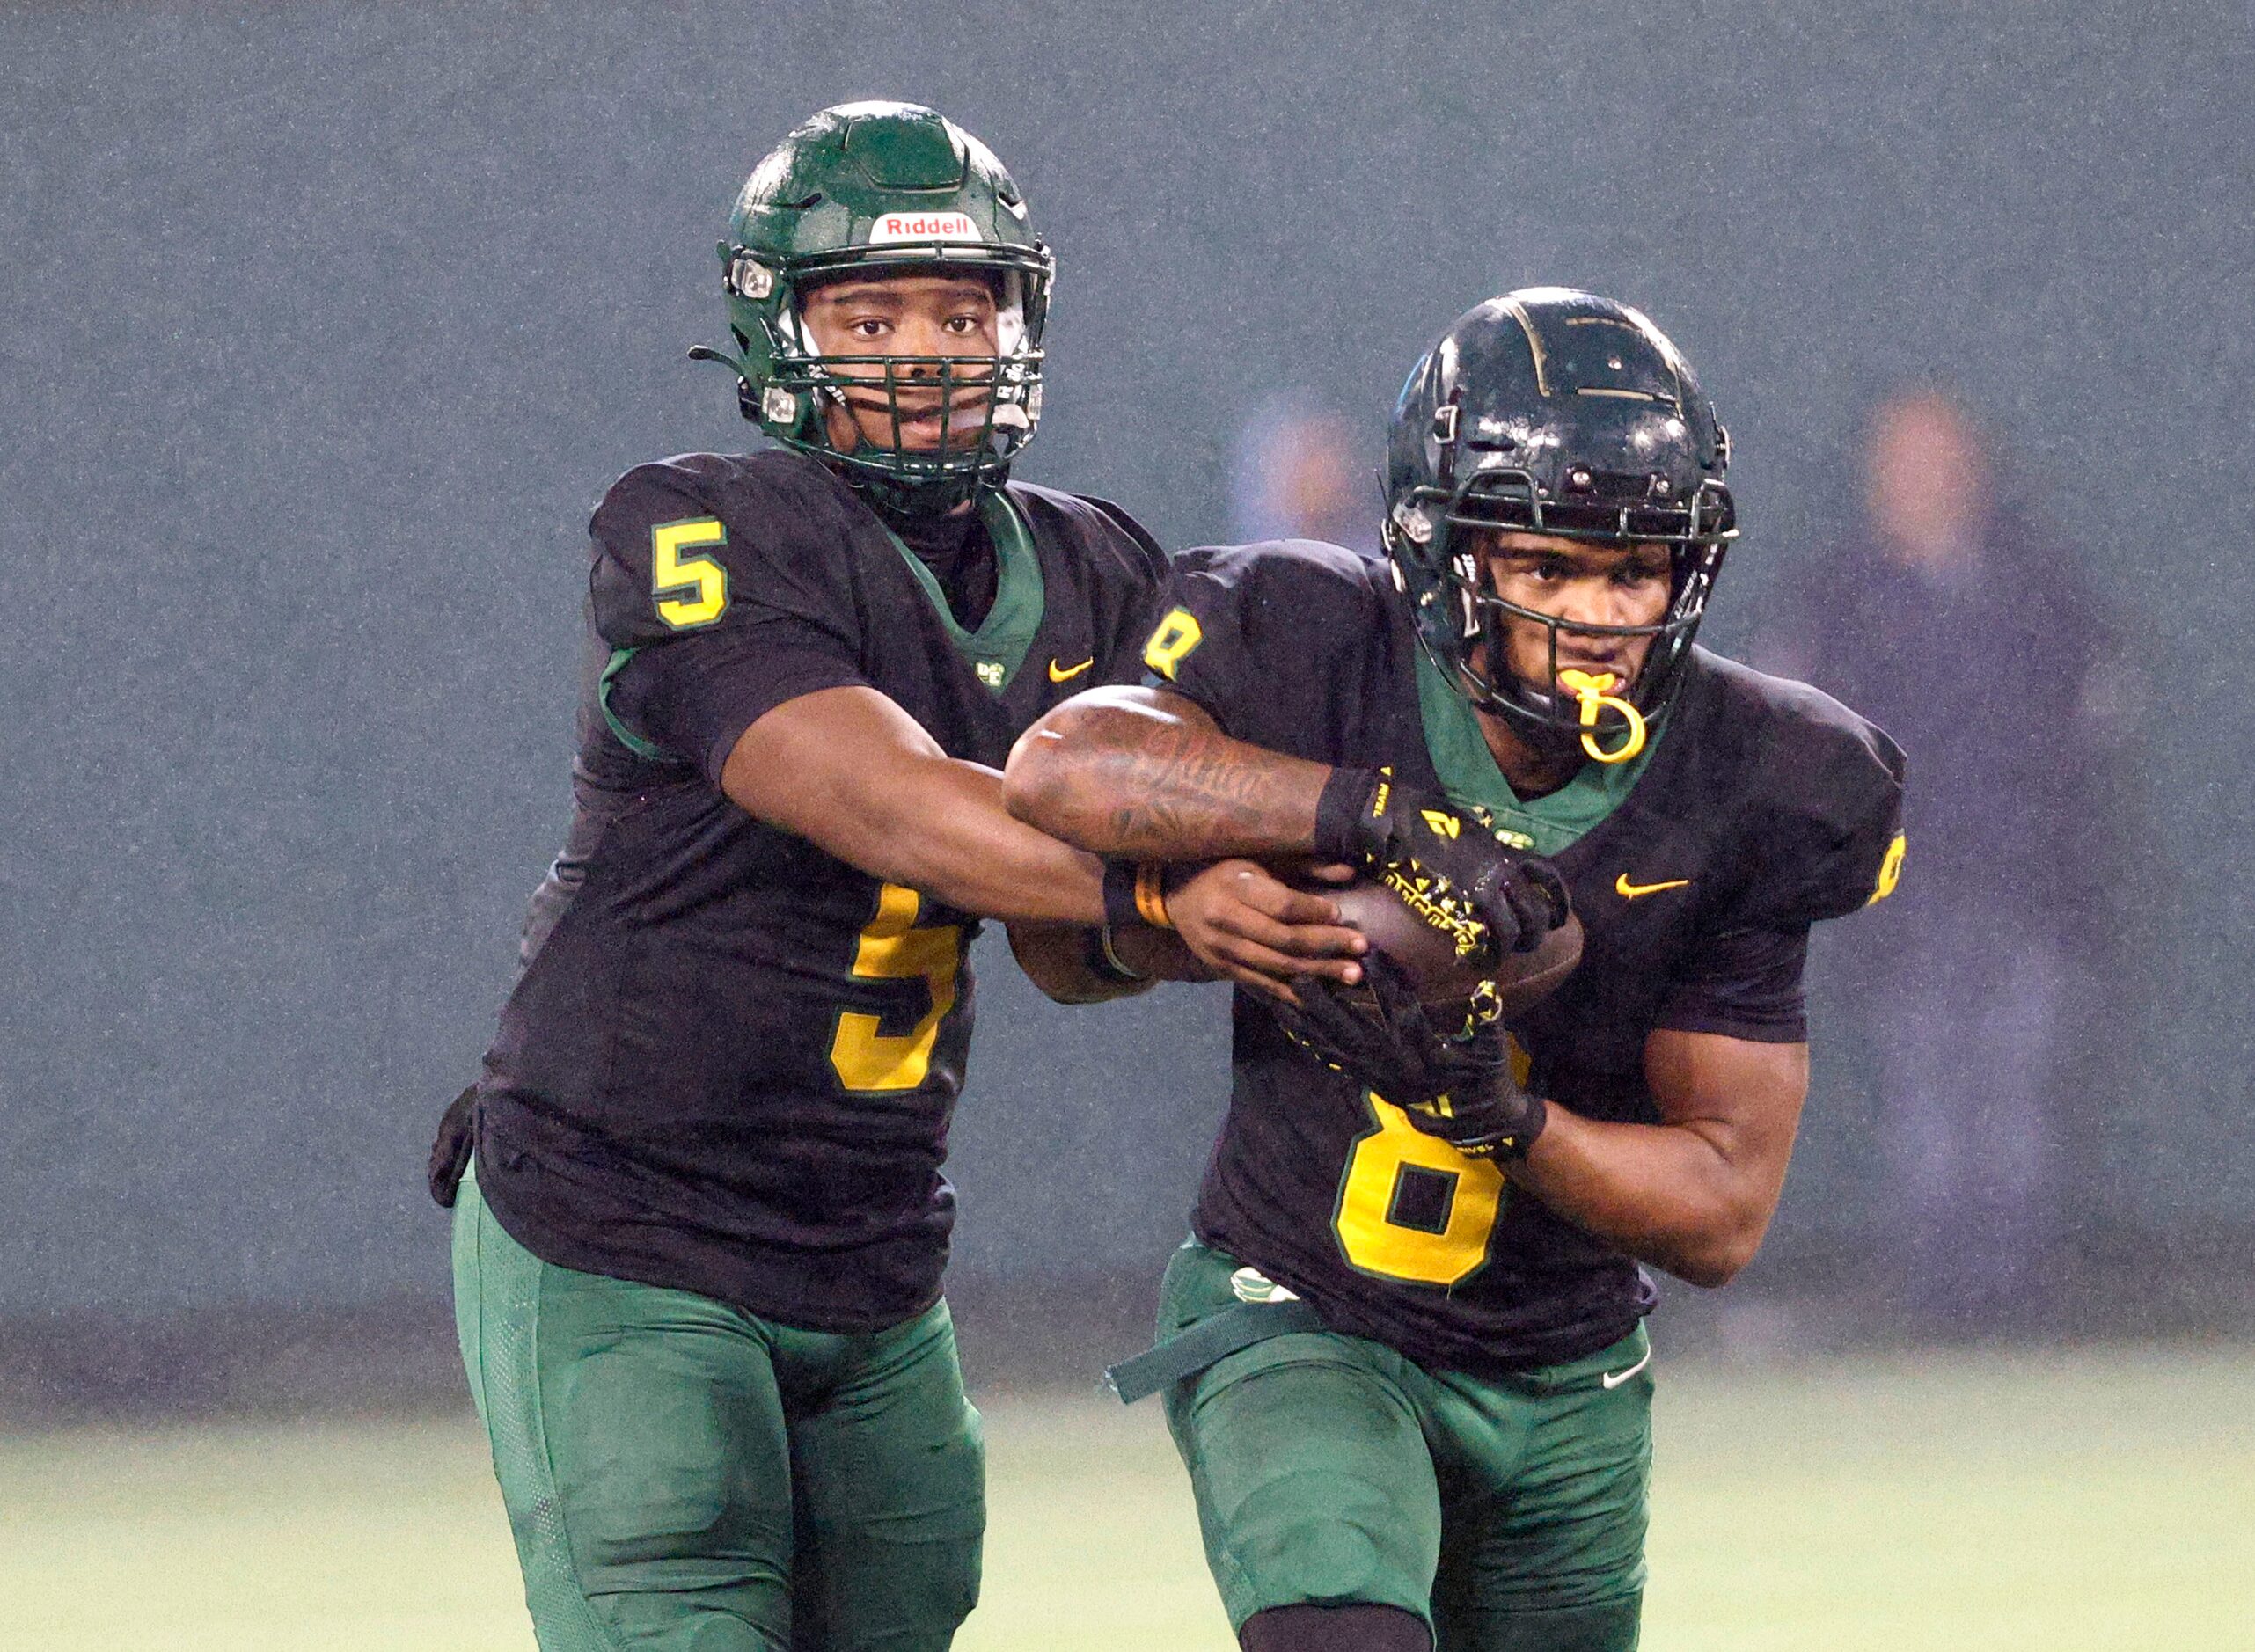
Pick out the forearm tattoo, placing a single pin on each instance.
(1183, 792)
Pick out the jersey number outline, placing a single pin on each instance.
(691, 592)
(1380, 1168)
(867, 1059)
(1890, 870)
(1173, 639)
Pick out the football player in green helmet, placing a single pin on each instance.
(1404, 1356)
(859, 199)
(698, 1261)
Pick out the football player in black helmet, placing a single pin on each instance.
(697, 1265)
(1403, 1354)
(1489, 476)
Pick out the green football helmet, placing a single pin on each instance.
(882, 187)
(1554, 412)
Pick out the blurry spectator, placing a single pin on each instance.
(1301, 474)
(1968, 632)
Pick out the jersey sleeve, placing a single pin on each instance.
(1263, 637)
(1120, 659)
(1743, 984)
(1829, 838)
(714, 612)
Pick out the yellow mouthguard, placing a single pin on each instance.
(1592, 691)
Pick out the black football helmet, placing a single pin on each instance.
(1554, 412)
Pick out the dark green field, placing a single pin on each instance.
(2031, 1500)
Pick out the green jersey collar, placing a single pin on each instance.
(998, 647)
(1468, 774)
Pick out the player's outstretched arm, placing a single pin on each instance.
(1234, 920)
(1694, 1193)
(1143, 774)
(852, 772)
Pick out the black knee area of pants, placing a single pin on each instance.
(1354, 1628)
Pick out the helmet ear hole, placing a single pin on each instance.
(1010, 312)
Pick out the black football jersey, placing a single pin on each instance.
(729, 1061)
(1759, 807)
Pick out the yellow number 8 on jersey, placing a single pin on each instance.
(1891, 872)
(1412, 1206)
(1377, 1232)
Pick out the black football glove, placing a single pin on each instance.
(450, 1154)
(1441, 863)
(1459, 1089)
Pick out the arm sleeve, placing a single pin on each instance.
(713, 609)
(696, 697)
(1828, 832)
(1744, 983)
(1121, 656)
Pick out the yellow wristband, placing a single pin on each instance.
(1151, 895)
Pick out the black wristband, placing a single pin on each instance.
(1121, 913)
(1349, 799)
(1541, 1118)
(1520, 1140)
(1509, 1141)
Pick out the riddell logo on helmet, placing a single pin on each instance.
(922, 226)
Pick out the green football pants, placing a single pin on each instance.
(1508, 1515)
(682, 1476)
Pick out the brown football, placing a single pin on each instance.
(1522, 978)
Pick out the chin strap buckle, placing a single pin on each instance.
(1593, 691)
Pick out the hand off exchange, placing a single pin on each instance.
(1247, 926)
(1440, 861)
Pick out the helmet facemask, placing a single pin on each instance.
(1606, 720)
(994, 401)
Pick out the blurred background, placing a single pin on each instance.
(323, 326)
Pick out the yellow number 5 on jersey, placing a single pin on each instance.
(892, 948)
(690, 591)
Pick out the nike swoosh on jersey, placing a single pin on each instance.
(1628, 891)
(1068, 673)
(1614, 1379)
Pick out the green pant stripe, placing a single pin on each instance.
(490, 1268)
